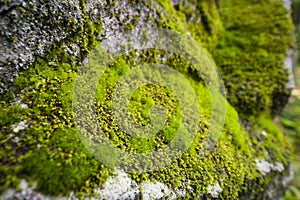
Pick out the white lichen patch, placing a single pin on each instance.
(19, 126)
(156, 190)
(118, 187)
(23, 184)
(122, 187)
(214, 190)
(26, 192)
(265, 167)
(278, 167)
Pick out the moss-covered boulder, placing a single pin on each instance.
(46, 46)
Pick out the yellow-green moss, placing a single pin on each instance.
(200, 19)
(227, 164)
(250, 54)
(51, 153)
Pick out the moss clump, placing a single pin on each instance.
(50, 150)
(231, 162)
(250, 55)
(200, 19)
(226, 164)
(51, 153)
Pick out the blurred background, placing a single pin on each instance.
(290, 118)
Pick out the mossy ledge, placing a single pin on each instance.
(40, 150)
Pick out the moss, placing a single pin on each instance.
(52, 147)
(231, 162)
(243, 47)
(50, 152)
(250, 55)
(60, 151)
(200, 19)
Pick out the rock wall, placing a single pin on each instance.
(45, 44)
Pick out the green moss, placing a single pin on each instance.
(251, 66)
(200, 19)
(50, 151)
(231, 162)
(250, 55)
(51, 146)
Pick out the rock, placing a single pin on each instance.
(47, 48)
(289, 65)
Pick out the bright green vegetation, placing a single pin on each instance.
(199, 18)
(51, 153)
(250, 55)
(50, 149)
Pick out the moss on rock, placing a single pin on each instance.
(39, 141)
(250, 55)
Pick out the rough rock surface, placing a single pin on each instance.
(44, 42)
(30, 28)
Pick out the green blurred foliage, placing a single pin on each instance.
(290, 118)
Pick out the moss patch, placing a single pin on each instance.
(250, 54)
(50, 152)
